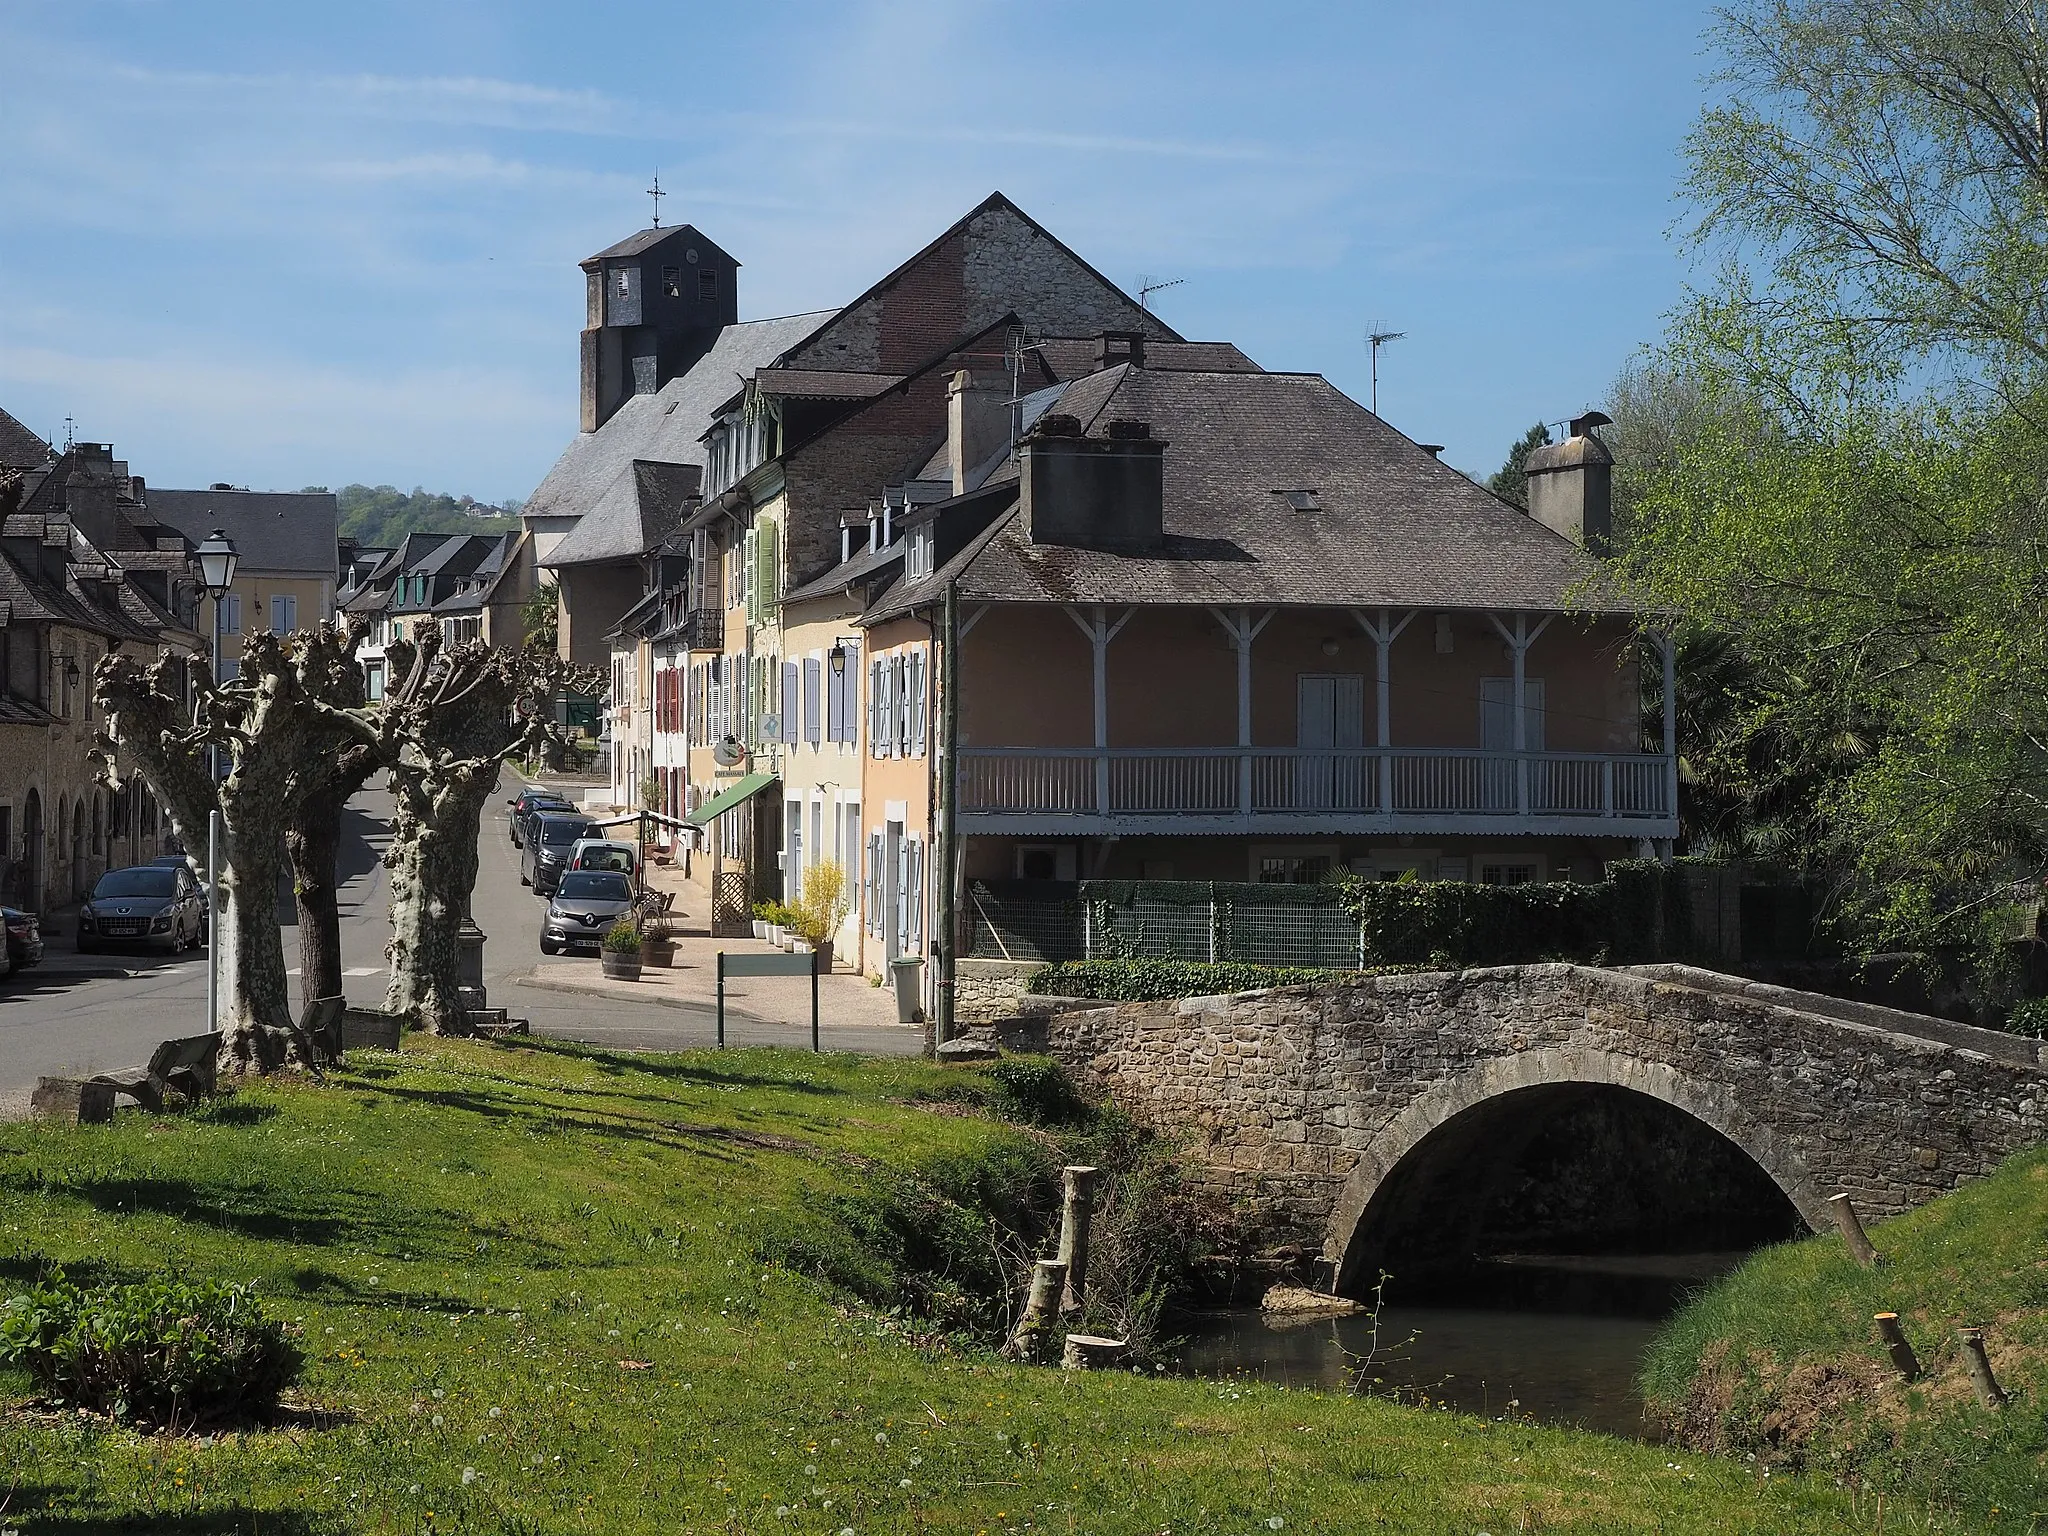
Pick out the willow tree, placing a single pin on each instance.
(272, 727)
(445, 728)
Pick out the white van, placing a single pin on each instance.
(604, 854)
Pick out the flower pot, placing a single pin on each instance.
(760, 929)
(775, 934)
(658, 952)
(620, 966)
(799, 946)
(824, 955)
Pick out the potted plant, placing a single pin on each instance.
(657, 942)
(621, 949)
(821, 909)
(764, 912)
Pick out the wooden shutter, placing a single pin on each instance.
(813, 704)
(917, 703)
(878, 708)
(767, 590)
(874, 884)
(913, 927)
(789, 688)
(849, 695)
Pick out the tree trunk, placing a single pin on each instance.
(433, 863)
(257, 1031)
(314, 843)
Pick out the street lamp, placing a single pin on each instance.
(837, 656)
(216, 559)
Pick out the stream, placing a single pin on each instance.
(1555, 1338)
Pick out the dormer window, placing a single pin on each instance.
(918, 553)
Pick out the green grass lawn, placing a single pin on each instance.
(533, 1300)
(1782, 1360)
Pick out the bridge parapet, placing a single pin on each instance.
(1310, 1103)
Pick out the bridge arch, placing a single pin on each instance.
(1501, 1104)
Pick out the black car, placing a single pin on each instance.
(549, 837)
(532, 804)
(143, 904)
(24, 937)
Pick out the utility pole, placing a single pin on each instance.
(1377, 340)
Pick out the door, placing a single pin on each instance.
(1330, 715)
(1497, 734)
(892, 891)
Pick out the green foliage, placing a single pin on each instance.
(1779, 1360)
(822, 906)
(2029, 1018)
(1511, 481)
(622, 938)
(1037, 1090)
(776, 914)
(1150, 980)
(1638, 913)
(164, 1352)
(487, 1241)
(540, 617)
(382, 515)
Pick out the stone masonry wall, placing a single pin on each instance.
(1303, 1099)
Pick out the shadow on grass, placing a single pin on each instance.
(618, 1127)
(623, 1063)
(226, 1111)
(324, 1285)
(242, 1521)
(20, 1270)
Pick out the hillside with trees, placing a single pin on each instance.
(383, 514)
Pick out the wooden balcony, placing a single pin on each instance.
(1042, 791)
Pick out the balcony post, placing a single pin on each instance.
(1519, 639)
(1384, 632)
(1237, 623)
(1100, 632)
(1670, 650)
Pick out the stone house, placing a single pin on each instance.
(287, 565)
(473, 586)
(87, 569)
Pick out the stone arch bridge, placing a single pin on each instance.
(1347, 1112)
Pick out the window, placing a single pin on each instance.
(672, 282)
(231, 614)
(373, 681)
(625, 282)
(707, 282)
(913, 668)
(284, 614)
(92, 661)
(1507, 874)
(1293, 869)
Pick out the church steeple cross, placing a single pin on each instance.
(657, 194)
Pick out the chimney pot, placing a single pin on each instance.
(1114, 347)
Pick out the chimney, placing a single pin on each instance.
(1093, 493)
(977, 424)
(1571, 486)
(92, 489)
(1113, 347)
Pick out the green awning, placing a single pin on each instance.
(726, 799)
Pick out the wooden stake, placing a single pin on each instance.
(1087, 1352)
(1903, 1358)
(1989, 1392)
(1048, 1279)
(1851, 1227)
(1077, 1210)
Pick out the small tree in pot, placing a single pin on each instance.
(622, 951)
(821, 909)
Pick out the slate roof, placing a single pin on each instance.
(824, 384)
(1393, 525)
(646, 239)
(19, 447)
(287, 532)
(1070, 357)
(663, 428)
(636, 511)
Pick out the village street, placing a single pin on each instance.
(78, 1014)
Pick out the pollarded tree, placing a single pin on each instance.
(445, 729)
(272, 724)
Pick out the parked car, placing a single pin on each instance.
(143, 904)
(183, 861)
(549, 837)
(585, 903)
(24, 937)
(606, 853)
(529, 806)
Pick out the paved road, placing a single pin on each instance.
(82, 1014)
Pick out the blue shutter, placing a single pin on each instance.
(917, 703)
(813, 704)
(849, 695)
(789, 690)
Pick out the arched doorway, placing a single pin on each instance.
(31, 886)
(1575, 1175)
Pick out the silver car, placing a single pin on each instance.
(585, 904)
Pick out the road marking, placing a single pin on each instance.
(354, 970)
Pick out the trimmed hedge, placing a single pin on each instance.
(1145, 981)
(1641, 912)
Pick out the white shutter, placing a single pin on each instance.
(913, 927)
(789, 687)
(917, 703)
(874, 884)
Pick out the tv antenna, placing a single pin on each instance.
(1015, 345)
(1377, 340)
(657, 194)
(1149, 285)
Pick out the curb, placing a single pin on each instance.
(580, 989)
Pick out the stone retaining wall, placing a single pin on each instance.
(1302, 1100)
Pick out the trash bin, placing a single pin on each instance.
(907, 971)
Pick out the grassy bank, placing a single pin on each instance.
(533, 1294)
(1781, 1360)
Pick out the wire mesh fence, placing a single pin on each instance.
(1035, 920)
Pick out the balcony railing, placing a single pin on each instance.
(1384, 782)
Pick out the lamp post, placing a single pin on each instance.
(216, 559)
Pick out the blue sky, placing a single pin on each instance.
(289, 244)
